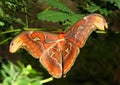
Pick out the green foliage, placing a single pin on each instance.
(64, 15)
(54, 16)
(21, 75)
(93, 8)
(9, 11)
(57, 16)
(60, 6)
(9, 17)
(2, 24)
(55, 12)
(116, 2)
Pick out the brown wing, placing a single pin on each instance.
(41, 45)
(77, 36)
(79, 33)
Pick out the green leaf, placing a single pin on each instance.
(36, 83)
(24, 81)
(53, 16)
(73, 19)
(15, 75)
(104, 11)
(2, 23)
(56, 16)
(59, 6)
(6, 81)
(93, 8)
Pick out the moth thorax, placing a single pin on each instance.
(61, 36)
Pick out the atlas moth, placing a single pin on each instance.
(57, 52)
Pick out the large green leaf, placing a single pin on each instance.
(59, 6)
(53, 16)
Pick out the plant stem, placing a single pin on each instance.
(4, 41)
(104, 32)
(46, 80)
(47, 8)
(10, 31)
